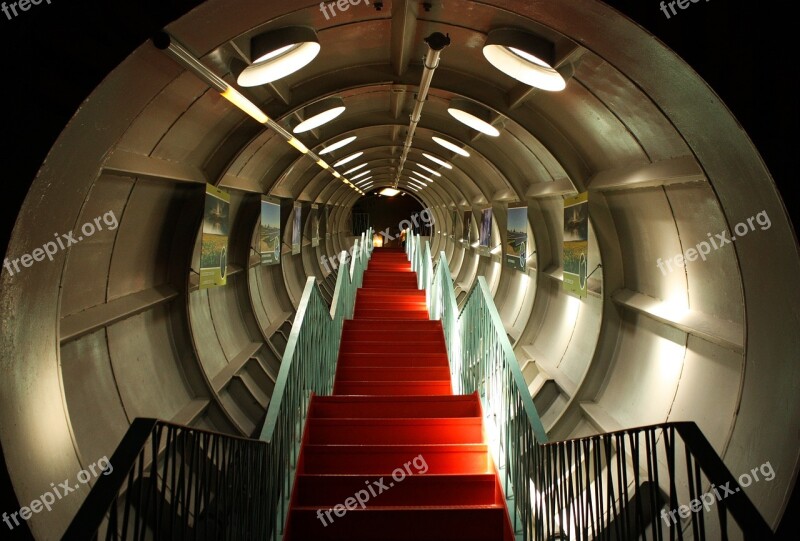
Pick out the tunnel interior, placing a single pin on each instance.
(118, 326)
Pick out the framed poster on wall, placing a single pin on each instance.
(314, 226)
(517, 238)
(297, 229)
(467, 227)
(485, 236)
(214, 242)
(576, 244)
(269, 232)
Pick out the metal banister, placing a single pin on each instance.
(622, 485)
(177, 482)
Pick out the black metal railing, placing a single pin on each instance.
(656, 482)
(175, 482)
(618, 486)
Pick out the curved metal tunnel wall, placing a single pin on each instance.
(121, 329)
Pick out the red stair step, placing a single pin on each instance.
(325, 491)
(384, 459)
(474, 523)
(396, 374)
(391, 388)
(386, 282)
(351, 360)
(374, 304)
(394, 406)
(368, 313)
(394, 332)
(395, 431)
(359, 346)
(386, 293)
(392, 323)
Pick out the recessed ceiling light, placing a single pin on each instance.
(348, 159)
(320, 113)
(363, 180)
(416, 184)
(429, 170)
(450, 146)
(473, 116)
(437, 160)
(279, 53)
(337, 145)
(525, 57)
(356, 168)
(360, 175)
(389, 192)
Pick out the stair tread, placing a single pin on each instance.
(409, 507)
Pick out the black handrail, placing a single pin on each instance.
(175, 482)
(205, 485)
(612, 486)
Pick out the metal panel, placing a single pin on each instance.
(98, 417)
(646, 372)
(89, 261)
(141, 347)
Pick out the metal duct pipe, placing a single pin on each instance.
(436, 43)
(184, 57)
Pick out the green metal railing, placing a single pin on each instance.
(308, 366)
(614, 486)
(482, 360)
(178, 482)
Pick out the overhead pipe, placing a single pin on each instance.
(436, 43)
(184, 57)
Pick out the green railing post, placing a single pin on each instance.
(482, 360)
(308, 366)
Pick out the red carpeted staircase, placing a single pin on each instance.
(393, 454)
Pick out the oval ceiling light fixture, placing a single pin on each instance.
(420, 175)
(337, 145)
(320, 113)
(437, 160)
(450, 146)
(472, 115)
(429, 170)
(356, 168)
(360, 175)
(415, 181)
(525, 57)
(348, 159)
(279, 53)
